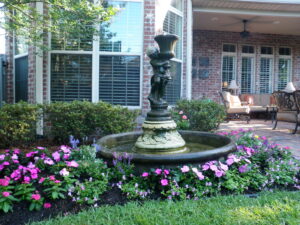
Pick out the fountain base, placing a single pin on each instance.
(160, 137)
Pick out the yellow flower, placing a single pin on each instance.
(256, 136)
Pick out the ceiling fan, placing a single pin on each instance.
(245, 33)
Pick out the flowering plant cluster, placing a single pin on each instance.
(39, 177)
(181, 119)
(256, 165)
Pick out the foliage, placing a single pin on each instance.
(268, 208)
(202, 115)
(17, 124)
(82, 119)
(66, 20)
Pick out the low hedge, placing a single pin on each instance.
(17, 124)
(83, 119)
(201, 115)
(62, 119)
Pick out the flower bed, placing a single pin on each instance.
(72, 178)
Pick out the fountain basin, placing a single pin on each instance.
(202, 147)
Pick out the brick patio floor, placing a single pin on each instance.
(282, 135)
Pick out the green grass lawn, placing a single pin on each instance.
(268, 208)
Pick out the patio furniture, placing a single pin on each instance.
(271, 111)
(287, 109)
(234, 107)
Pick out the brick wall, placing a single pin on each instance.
(9, 70)
(209, 44)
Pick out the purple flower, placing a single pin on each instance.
(185, 169)
(40, 148)
(223, 166)
(73, 142)
(2, 157)
(64, 172)
(30, 154)
(166, 172)
(243, 168)
(48, 161)
(213, 167)
(219, 173)
(72, 164)
(205, 167)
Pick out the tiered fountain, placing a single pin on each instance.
(160, 144)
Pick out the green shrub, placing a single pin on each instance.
(202, 115)
(17, 124)
(83, 119)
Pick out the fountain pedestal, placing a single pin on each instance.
(160, 137)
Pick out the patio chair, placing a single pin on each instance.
(287, 110)
(234, 107)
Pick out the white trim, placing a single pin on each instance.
(235, 55)
(189, 49)
(247, 12)
(20, 55)
(14, 69)
(95, 66)
(176, 11)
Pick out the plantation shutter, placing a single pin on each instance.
(228, 69)
(284, 73)
(265, 77)
(119, 80)
(174, 86)
(71, 77)
(173, 25)
(246, 76)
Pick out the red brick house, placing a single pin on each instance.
(256, 43)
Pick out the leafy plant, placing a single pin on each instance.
(202, 115)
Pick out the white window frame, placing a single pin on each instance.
(290, 75)
(95, 53)
(253, 71)
(234, 62)
(271, 84)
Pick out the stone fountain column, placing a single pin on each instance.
(160, 134)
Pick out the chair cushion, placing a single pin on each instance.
(235, 101)
(241, 109)
(258, 108)
(287, 116)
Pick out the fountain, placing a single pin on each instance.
(160, 144)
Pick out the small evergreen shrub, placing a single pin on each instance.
(17, 124)
(83, 119)
(201, 115)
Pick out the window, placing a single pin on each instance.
(173, 25)
(101, 68)
(284, 67)
(284, 51)
(119, 81)
(265, 76)
(247, 74)
(266, 50)
(71, 77)
(247, 49)
(228, 64)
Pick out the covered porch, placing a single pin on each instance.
(256, 43)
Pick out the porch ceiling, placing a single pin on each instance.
(268, 18)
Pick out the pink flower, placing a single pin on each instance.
(287, 147)
(36, 197)
(219, 173)
(52, 177)
(14, 157)
(41, 180)
(2, 157)
(5, 181)
(72, 164)
(30, 154)
(243, 168)
(48, 161)
(166, 172)
(47, 205)
(57, 181)
(56, 156)
(184, 117)
(145, 174)
(65, 149)
(158, 171)
(185, 169)
(5, 194)
(164, 182)
(17, 151)
(40, 148)
(64, 172)
(16, 161)
(27, 179)
(34, 176)
(66, 156)
(200, 175)
(5, 163)
(180, 112)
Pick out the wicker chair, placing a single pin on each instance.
(287, 109)
(234, 107)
